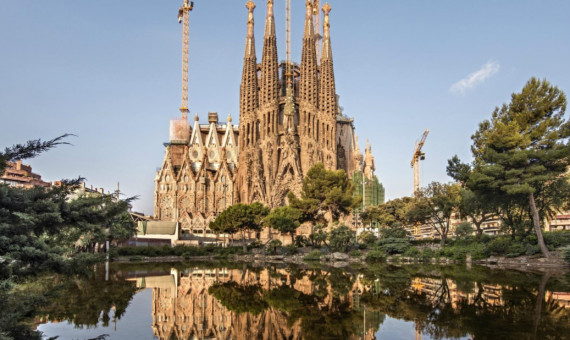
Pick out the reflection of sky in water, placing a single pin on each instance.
(135, 323)
(394, 329)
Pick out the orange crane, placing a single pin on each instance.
(417, 157)
(184, 18)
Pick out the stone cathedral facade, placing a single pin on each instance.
(289, 120)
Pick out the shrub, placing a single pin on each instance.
(499, 246)
(290, 249)
(516, 249)
(314, 255)
(376, 255)
(393, 245)
(463, 230)
(272, 246)
(135, 258)
(427, 254)
(300, 241)
(355, 253)
(341, 237)
(412, 252)
(566, 254)
(367, 237)
(557, 239)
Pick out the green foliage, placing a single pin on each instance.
(290, 249)
(355, 253)
(324, 191)
(273, 245)
(412, 252)
(459, 251)
(389, 213)
(341, 237)
(393, 245)
(376, 255)
(521, 155)
(285, 219)
(314, 255)
(179, 250)
(557, 239)
(319, 235)
(434, 205)
(240, 218)
(464, 230)
(367, 237)
(566, 254)
(239, 298)
(395, 230)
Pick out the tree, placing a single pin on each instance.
(476, 207)
(388, 213)
(285, 219)
(240, 218)
(521, 156)
(434, 205)
(39, 227)
(324, 192)
(341, 237)
(463, 230)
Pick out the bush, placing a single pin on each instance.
(376, 255)
(566, 254)
(367, 237)
(301, 241)
(314, 255)
(290, 249)
(557, 239)
(393, 245)
(272, 246)
(499, 246)
(412, 252)
(355, 253)
(463, 230)
(427, 254)
(341, 238)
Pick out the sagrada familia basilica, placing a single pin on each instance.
(289, 120)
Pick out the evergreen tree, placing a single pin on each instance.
(324, 192)
(521, 156)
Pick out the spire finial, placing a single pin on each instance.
(327, 52)
(269, 21)
(196, 118)
(229, 118)
(250, 44)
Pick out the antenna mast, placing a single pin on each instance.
(184, 18)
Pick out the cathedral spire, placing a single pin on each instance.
(308, 87)
(269, 64)
(250, 42)
(249, 100)
(327, 91)
(327, 51)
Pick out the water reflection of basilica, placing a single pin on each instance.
(182, 308)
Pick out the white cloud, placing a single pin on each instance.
(475, 78)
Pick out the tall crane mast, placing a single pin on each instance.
(416, 158)
(288, 70)
(184, 18)
(317, 23)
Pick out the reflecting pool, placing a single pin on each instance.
(234, 301)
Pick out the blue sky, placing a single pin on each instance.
(109, 72)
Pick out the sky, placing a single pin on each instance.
(110, 72)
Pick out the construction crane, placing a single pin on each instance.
(184, 18)
(317, 24)
(417, 157)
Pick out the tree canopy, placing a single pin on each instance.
(521, 156)
(324, 191)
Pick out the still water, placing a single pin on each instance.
(232, 301)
